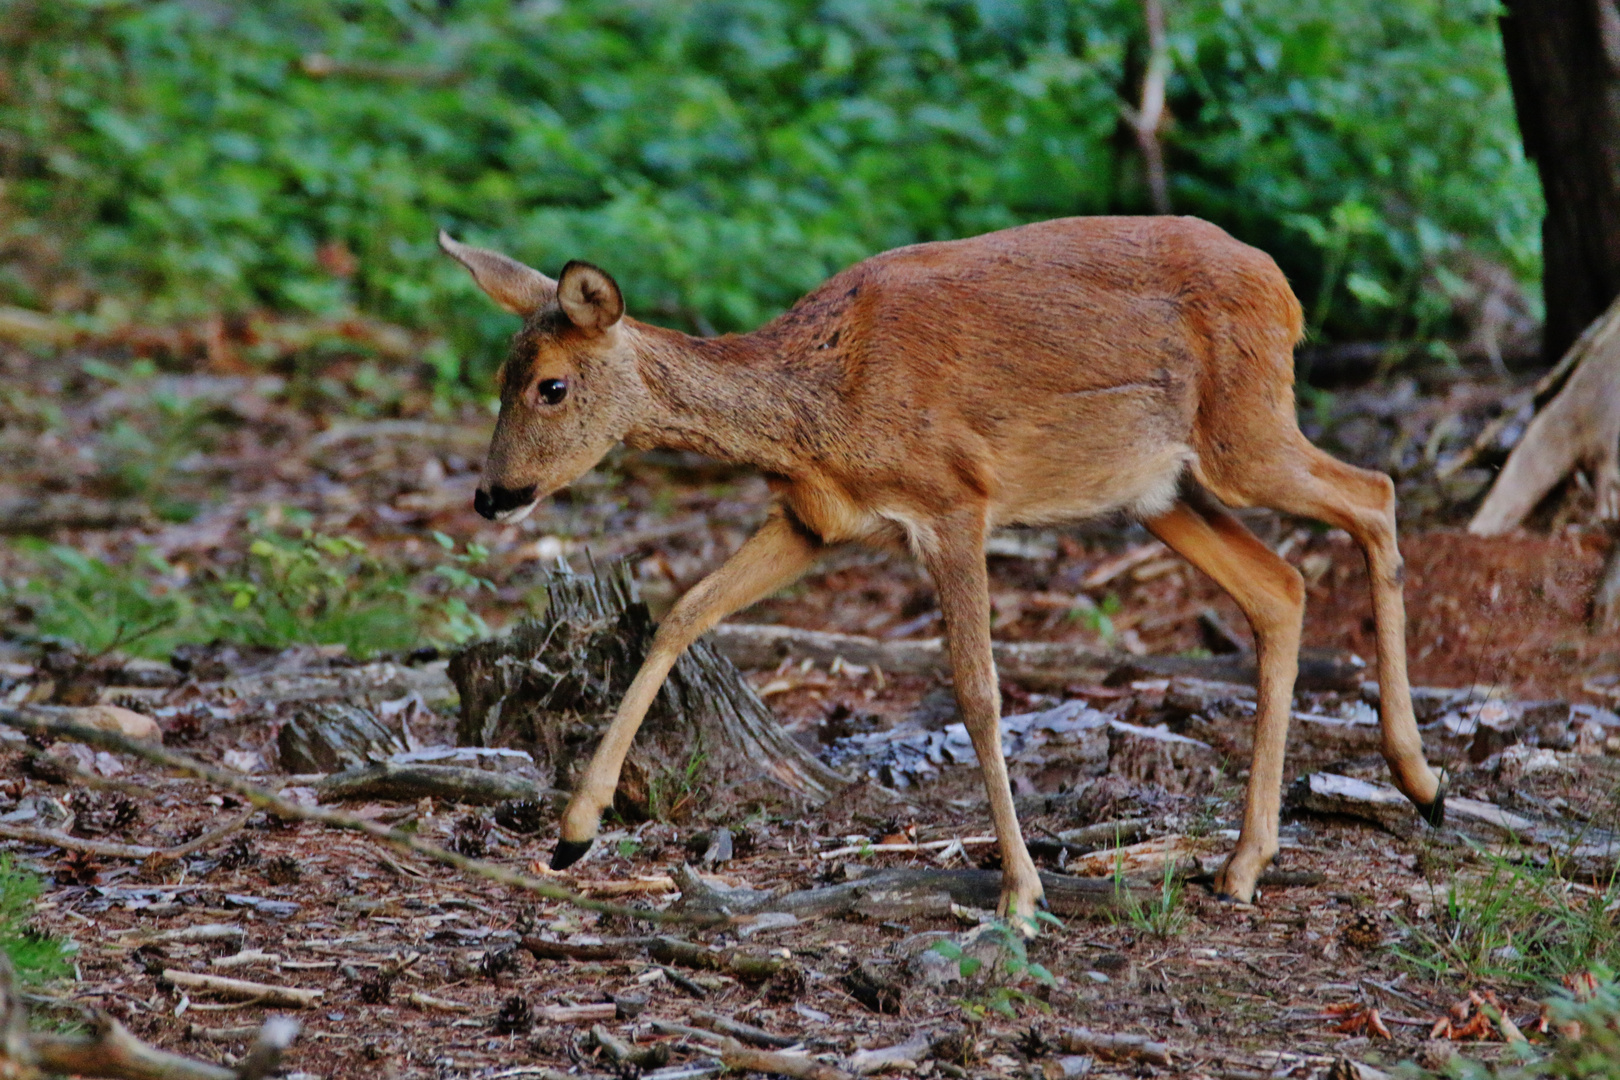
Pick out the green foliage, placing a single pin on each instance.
(1012, 968)
(671, 794)
(36, 958)
(314, 589)
(722, 156)
(1165, 916)
(137, 606)
(1517, 923)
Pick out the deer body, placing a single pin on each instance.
(919, 399)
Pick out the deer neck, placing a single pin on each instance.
(735, 398)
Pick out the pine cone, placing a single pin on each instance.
(521, 816)
(1362, 931)
(78, 868)
(282, 870)
(377, 989)
(239, 853)
(471, 837)
(498, 962)
(515, 1017)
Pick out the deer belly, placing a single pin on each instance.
(1062, 486)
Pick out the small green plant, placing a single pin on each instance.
(137, 606)
(1013, 966)
(320, 589)
(312, 589)
(1165, 916)
(1516, 923)
(35, 957)
(1098, 618)
(671, 794)
(627, 847)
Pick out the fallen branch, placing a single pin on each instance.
(428, 1001)
(242, 990)
(968, 888)
(927, 845)
(1131, 1047)
(578, 1014)
(55, 838)
(1037, 664)
(265, 800)
(734, 1055)
(908, 1053)
(736, 1029)
(110, 1051)
(666, 950)
(452, 783)
(109, 850)
(640, 1057)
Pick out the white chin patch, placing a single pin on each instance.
(512, 517)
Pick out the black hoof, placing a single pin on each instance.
(1227, 898)
(568, 852)
(1434, 812)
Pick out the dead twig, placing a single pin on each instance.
(242, 990)
(734, 1055)
(747, 1033)
(108, 849)
(104, 848)
(1131, 1047)
(265, 800)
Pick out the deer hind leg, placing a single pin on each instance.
(1303, 480)
(774, 556)
(1272, 597)
(954, 556)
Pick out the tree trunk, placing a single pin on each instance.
(1563, 59)
(551, 686)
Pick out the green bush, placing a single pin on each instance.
(35, 957)
(311, 589)
(722, 156)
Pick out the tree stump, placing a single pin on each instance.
(550, 688)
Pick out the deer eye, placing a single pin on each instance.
(551, 391)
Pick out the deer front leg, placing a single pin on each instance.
(954, 556)
(774, 556)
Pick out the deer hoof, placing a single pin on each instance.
(568, 852)
(1434, 812)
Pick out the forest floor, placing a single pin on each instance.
(421, 971)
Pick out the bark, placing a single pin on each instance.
(1563, 59)
(551, 686)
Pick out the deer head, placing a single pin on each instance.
(569, 386)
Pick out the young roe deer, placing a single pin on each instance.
(921, 398)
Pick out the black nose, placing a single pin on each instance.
(498, 500)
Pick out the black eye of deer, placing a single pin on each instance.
(551, 391)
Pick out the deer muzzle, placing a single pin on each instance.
(498, 503)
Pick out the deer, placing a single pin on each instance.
(1139, 367)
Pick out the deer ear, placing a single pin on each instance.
(589, 297)
(515, 287)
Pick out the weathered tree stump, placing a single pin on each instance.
(550, 688)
